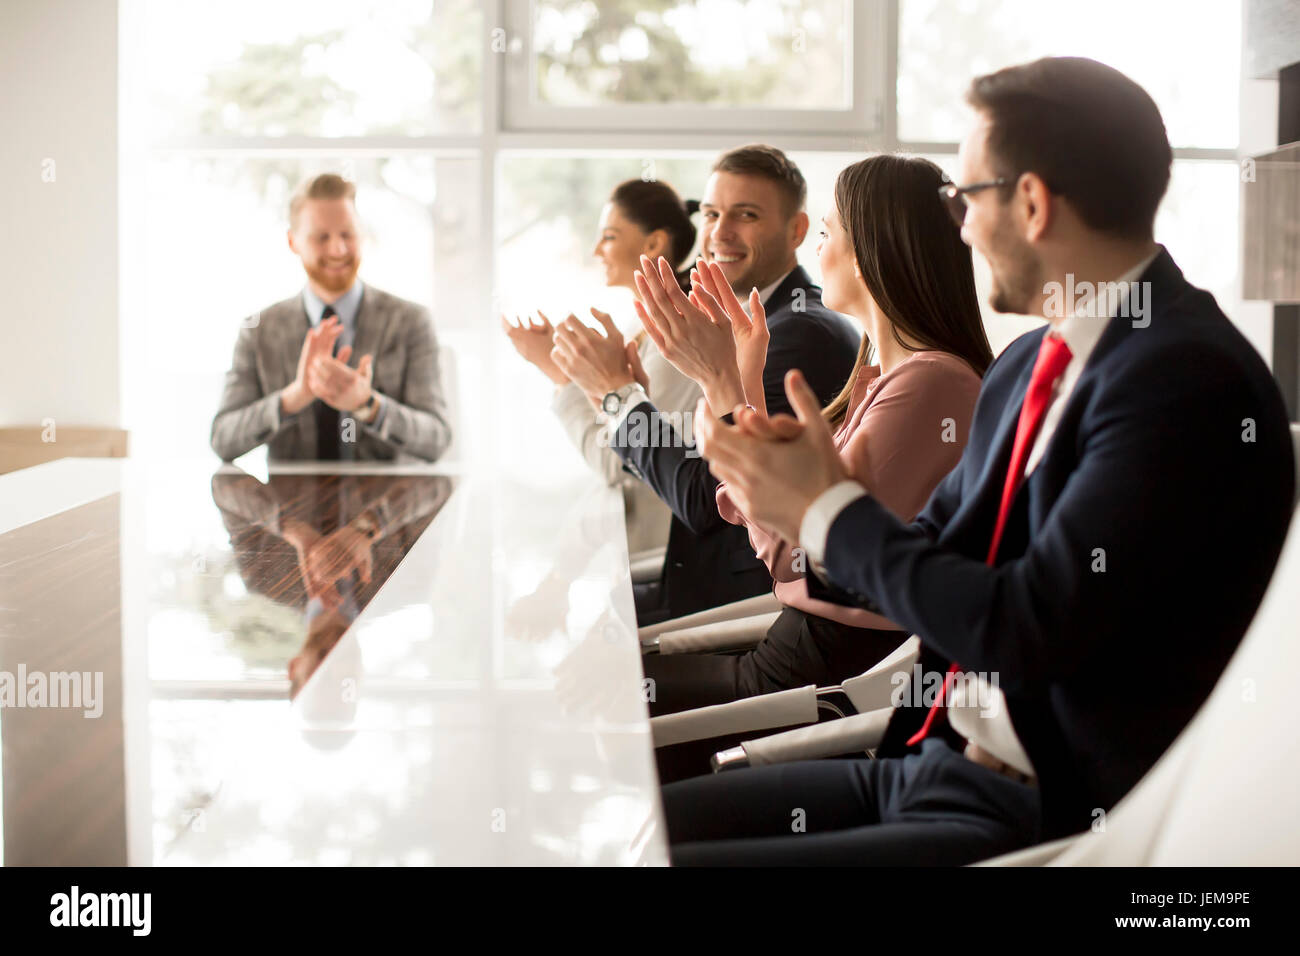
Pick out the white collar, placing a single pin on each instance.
(764, 293)
(1082, 331)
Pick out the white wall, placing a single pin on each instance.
(59, 239)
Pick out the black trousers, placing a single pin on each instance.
(799, 649)
(935, 808)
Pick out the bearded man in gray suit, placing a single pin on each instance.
(294, 383)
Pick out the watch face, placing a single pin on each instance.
(610, 403)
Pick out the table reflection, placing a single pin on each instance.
(322, 545)
(461, 654)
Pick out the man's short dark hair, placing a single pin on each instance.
(758, 159)
(1092, 135)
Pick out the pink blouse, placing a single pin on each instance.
(903, 432)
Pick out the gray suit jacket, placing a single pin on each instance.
(400, 336)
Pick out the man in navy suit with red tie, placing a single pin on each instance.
(1093, 561)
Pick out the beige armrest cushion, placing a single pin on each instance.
(724, 635)
(782, 709)
(761, 604)
(856, 734)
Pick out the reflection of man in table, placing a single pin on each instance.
(324, 544)
(343, 371)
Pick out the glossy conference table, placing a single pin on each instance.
(367, 665)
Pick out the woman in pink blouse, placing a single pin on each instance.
(892, 259)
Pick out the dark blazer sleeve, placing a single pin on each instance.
(673, 471)
(929, 523)
(677, 474)
(825, 363)
(1163, 482)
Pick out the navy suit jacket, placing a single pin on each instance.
(1134, 556)
(708, 561)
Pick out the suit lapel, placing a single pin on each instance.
(782, 294)
(292, 333)
(372, 324)
(1167, 284)
(994, 476)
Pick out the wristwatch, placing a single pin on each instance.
(369, 408)
(614, 403)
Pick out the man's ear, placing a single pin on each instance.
(798, 229)
(293, 247)
(1034, 206)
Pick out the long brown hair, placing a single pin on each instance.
(913, 262)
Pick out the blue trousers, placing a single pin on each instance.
(926, 809)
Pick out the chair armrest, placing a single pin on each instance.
(760, 604)
(723, 636)
(832, 738)
(875, 688)
(782, 709)
(647, 566)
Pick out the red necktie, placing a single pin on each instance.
(1053, 356)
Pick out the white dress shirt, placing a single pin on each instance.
(994, 733)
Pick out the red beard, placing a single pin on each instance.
(336, 282)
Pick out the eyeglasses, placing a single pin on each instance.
(954, 196)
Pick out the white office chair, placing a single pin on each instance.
(861, 706)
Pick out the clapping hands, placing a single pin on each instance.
(711, 291)
(323, 375)
(534, 342)
(597, 363)
(774, 468)
(706, 335)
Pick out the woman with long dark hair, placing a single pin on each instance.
(892, 259)
(640, 218)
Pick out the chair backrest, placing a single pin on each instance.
(1226, 792)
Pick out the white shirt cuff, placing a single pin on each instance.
(986, 723)
(821, 514)
(635, 398)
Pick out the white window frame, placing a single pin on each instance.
(865, 80)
